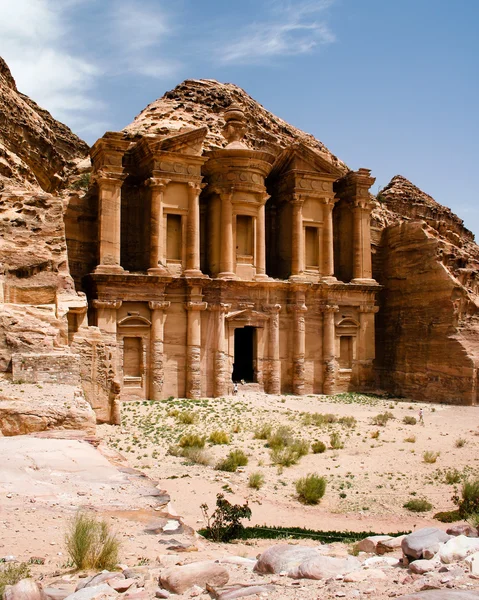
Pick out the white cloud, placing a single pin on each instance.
(34, 36)
(289, 32)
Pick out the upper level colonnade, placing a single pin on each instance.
(168, 208)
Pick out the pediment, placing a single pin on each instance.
(134, 321)
(247, 315)
(188, 143)
(348, 322)
(302, 158)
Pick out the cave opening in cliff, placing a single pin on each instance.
(244, 354)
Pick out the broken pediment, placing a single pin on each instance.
(248, 317)
(301, 158)
(188, 143)
(134, 321)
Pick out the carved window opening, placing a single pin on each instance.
(244, 238)
(173, 237)
(311, 248)
(132, 361)
(244, 354)
(346, 352)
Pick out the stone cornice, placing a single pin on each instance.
(196, 306)
(159, 304)
(108, 304)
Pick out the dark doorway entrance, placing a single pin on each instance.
(244, 354)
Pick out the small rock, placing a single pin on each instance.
(370, 543)
(422, 566)
(463, 529)
(162, 593)
(181, 578)
(26, 589)
(120, 584)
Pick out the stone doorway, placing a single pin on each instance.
(244, 354)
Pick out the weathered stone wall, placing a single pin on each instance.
(47, 368)
(420, 347)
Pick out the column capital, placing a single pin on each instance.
(156, 182)
(297, 308)
(194, 306)
(363, 204)
(368, 309)
(196, 186)
(111, 304)
(221, 308)
(329, 201)
(108, 178)
(329, 308)
(158, 304)
(297, 200)
(272, 308)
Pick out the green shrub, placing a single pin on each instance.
(408, 420)
(335, 441)
(191, 440)
(411, 439)
(82, 183)
(430, 457)
(382, 419)
(12, 573)
(235, 459)
(452, 476)
(348, 421)
(225, 523)
(418, 505)
(262, 432)
(310, 489)
(186, 417)
(219, 437)
(468, 504)
(196, 455)
(318, 447)
(460, 442)
(282, 437)
(90, 544)
(448, 516)
(319, 419)
(256, 480)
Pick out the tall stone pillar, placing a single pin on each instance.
(193, 348)
(226, 251)
(157, 367)
(362, 267)
(327, 264)
(366, 344)
(157, 243)
(299, 345)
(221, 375)
(106, 315)
(329, 349)
(297, 250)
(192, 266)
(261, 242)
(109, 214)
(274, 371)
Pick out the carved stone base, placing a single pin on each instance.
(364, 281)
(159, 271)
(228, 275)
(194, 273)
(109, 269)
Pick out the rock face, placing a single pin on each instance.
(427, 326)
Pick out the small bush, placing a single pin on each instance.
(460, 442)
(318, 447)
(284, 457)
(468, 504)
(408, 420)
(219, 437)
(282, 437)
(335, 441)
(12, 573)
(382, 419)
(319, 419)
(448, 516)
(256, 480)
(197, 455)
(452, 476)
(191, 440)
(411, 439)
(186, 417)
(90, 544)
(418, 505)
(430, 457)
(375, 434)
(310, 489)
(225, 523)
(348, 421)
(235, 459)
(262, 432)
(82, 183)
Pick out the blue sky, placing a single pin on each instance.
(391, 85)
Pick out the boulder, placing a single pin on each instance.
(181, 578)
(463, 529)
(324, 567)
(424, 543)
(26, 589)
(120, 584)
(389, 545)
(423, 565)
(97, 579)
(457, 548)
(370, 543)
(240, 590)
(365, 575)
(97, 592)
(472, 561)
(58, 593)
(283, 558)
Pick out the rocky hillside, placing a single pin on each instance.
(199, 102)
(35, 149)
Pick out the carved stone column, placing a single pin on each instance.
(221, 375)
(193, 349)
(366, 344)
(299, 346)
(106, 315)
(157, 243)
(329, 349)
(226, 250)
(192, 267)
(109, 215)
(297, 250)
(327, 264)
(274, 371)
(362, 268)
(157, 367)
(261, 242)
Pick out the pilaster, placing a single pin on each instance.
(226, 251)
(329, 348)
(192, 266)
(366, 344)
(221, 351)
(158, 310)
(273, 383)
(157, 243)
(297, 249)
(327, 262)
(193, 347)
(299, 345)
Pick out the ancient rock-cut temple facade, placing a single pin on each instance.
(231, 264)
